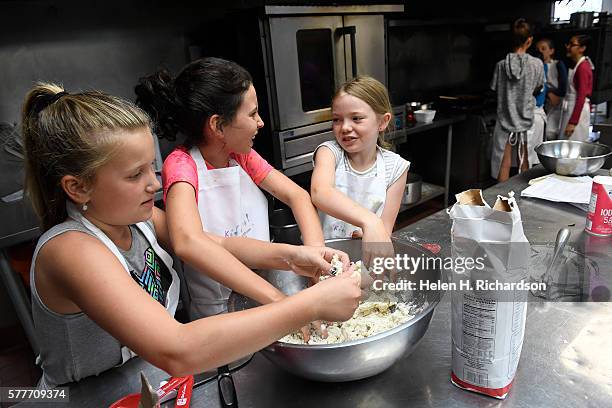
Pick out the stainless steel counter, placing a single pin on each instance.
(566, 359)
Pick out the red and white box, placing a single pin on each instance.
(599, 216)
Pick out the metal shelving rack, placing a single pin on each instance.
(401, 134)
(428, 192)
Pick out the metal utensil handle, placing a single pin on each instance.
(227, 389)
(562, 238)
(148, 397)
(350, 30)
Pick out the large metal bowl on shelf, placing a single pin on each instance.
(359, 358)
(572, 158)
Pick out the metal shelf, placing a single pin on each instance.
(428, 192)
(399, 135)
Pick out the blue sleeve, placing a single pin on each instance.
(541, 98)
(562, 70)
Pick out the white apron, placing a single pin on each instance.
(230, 204)
(369, 192)
(172, 296)
(535, 135)
(581, 132)
(500, 138)
(553, 113)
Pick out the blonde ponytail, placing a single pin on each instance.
(69, 134)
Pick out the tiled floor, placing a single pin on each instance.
(17, 366)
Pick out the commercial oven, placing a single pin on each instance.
(298, 56)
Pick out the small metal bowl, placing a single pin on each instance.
(572, 158)
(355, 359)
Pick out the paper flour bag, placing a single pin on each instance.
(489, 297)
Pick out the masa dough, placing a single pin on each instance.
(379, 313)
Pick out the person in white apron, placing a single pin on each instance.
(535, 135)
(357, 184)
(575, 119)
(214, 103)
(89, 309)
(556, 83)
(369, 192)
(230, 204)
(59, 368)
(172, 295)
(517, 79)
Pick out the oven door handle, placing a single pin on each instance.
(350, 30)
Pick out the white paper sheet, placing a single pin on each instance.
(574, 190)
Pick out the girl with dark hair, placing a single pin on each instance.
(576, 116)
(517, 79)
(556, 83)
(212, 183)
(103, 286)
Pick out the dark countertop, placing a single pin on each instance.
(565, 361)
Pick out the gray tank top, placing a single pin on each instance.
(73, 346)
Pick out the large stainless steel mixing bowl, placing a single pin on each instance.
(359, 358)
(572, 158)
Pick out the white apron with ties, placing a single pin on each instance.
(230, 204)
(581, 132)
(535, 135)
(369, 192)
(500, 138)
(172, 296)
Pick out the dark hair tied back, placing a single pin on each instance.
(155, 94)
(205, 87)
(521, 31)
(584, 40)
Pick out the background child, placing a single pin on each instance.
(103, 288)
(576, 115)
(357, 184)
(535, 134)
(556, 84)
(213, 183)
(517, 79)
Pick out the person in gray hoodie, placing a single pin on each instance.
(517, 78)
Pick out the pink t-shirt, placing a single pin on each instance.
(180, 166)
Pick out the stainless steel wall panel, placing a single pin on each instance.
(283, 32)
(370, 44)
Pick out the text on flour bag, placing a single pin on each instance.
(488, 313)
